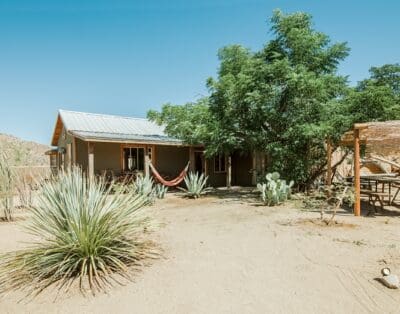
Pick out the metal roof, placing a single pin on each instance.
(91, 126)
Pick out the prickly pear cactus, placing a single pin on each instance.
(274, 191)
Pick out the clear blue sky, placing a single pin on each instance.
(125, 57)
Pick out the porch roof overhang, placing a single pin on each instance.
(125, 138)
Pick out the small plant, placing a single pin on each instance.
(87, 234)
(144, 186)
(195, 185)
(329, 198)
(6, 188)
(274, 191)
(160, 191)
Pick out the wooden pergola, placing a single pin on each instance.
(381, 137)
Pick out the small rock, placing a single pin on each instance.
(391, 281)
(385, 271)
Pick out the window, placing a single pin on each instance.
(150, 153)
(219, 163)
(133, 159)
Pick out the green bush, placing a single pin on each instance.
(87, 234)
(274, 190)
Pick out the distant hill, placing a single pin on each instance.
(23, 153)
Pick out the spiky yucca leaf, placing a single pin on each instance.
(160, 190)
(195, 185)
(86, 234)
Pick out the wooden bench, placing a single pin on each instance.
(374, 197)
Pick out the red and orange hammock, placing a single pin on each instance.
(173, 182)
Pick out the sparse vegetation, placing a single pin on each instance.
(143, 185)
(274, 190)
(6, 188)
(160, 191)
(86, 233)
(196, 185)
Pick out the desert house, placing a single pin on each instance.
(115, 145)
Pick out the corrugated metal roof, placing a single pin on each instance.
(114, 128)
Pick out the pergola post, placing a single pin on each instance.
(228, 171)
(357, 183)
(328, 180)
(91, 160)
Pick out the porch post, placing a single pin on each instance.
(254, 167)
(74, 151)
(191, 159)
(91, 159)
(146, 162)
(229, 171)
(69, 156)
(357, 202)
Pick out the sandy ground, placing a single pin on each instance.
(229, 255)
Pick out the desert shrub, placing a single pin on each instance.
(6, 188)
(160, 191)
(87, 234)
(274, 190)
(330, 198)
(143, 185)
(196, 185)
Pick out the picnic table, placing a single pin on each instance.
(383, 184)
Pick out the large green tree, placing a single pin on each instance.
(285, 100)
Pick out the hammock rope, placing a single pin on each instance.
(173, 182)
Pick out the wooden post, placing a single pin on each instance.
(254, 168)
(229, 172)
(146, 162)
(69, 156)
(74, 151)
(357, 201)
(191, 159)
(328, 180)
(91, 159)
(205, 166)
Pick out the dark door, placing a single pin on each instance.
(199, 162)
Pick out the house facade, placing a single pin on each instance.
(114, 145)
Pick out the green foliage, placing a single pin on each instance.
(378, 97)
(7, 182)
(191, 122)
(285, 100)
(196, 185)
(160, 191)
(86, 234)
(274, 191)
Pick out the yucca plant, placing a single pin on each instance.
(196, 185)
(7, 181)
(87, 234)
(143, 185)
(160, 190)
(275, 190)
